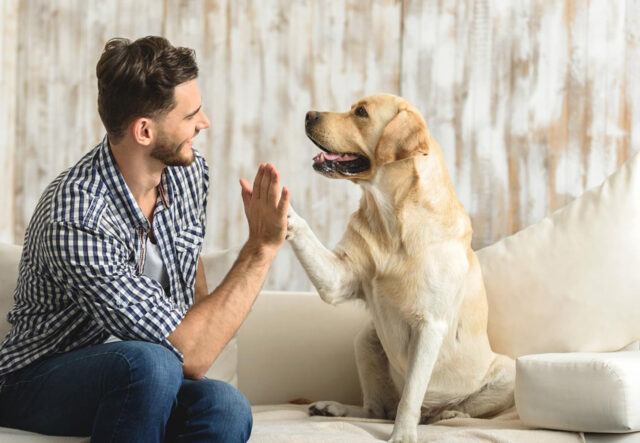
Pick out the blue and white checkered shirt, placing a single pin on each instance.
(81, 273)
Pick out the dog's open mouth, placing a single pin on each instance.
(345, 163)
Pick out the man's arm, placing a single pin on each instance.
(214, 318)
(200, 290)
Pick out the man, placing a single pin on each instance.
(113, 327)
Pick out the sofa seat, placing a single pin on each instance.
(9, 435)
(291, 424)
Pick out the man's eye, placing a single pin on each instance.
(361, 112)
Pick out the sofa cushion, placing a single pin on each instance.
(588, 392)
(571, 281)
(294, 345)
(288, 423)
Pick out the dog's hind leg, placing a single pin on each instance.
(380, 395)
(496, 394)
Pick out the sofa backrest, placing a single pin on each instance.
(9, 261)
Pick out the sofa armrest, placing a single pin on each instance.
(294, 345)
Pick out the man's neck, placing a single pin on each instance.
(141, 173)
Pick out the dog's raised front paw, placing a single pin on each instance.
(294, 223)
(328, 409)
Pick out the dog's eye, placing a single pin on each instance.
(361, 112)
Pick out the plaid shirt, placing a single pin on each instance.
(81, 278)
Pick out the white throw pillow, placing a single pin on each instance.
(572, 281)
(587, 392)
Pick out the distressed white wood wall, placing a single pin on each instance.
(532, 101)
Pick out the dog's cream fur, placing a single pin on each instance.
(406, 252)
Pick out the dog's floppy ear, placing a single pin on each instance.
(405, 136)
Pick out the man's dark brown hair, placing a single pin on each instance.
(137, 79)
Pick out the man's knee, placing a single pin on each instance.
(151, 369)
(223, 407)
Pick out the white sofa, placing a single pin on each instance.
(566, 290)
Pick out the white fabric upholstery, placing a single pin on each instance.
(292, 424)
(570, 282)
(9, 261)
(294, 345)
(588, 392)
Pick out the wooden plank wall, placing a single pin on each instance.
(8, 71)
(532, 101)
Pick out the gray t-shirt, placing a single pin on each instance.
(153, 268)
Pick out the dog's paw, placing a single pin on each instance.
(328, 409)
(404, 435)
(294, 223)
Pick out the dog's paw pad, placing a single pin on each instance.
(328, 409)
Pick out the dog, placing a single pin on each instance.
(425, 356)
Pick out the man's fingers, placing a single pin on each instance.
(266, 182)
(274, 188)
(258, 181)
(246, 191)
(283, 206)
(246, 187)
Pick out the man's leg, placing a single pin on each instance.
(122, 391)
(211, 411)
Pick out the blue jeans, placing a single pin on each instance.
(128, 391)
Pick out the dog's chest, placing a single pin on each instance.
(400, 295)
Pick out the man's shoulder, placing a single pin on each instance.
(79, 191)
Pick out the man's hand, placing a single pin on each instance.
(266, 209)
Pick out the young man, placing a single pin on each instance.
(113, 327)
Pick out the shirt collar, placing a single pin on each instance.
(125, 202)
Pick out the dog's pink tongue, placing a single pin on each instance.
(333, 157)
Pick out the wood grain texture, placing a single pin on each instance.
(59, 45)
(532, 101)
(261, 70)
(8, 81)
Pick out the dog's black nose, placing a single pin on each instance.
(311, 118)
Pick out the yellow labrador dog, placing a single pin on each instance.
(406, 252)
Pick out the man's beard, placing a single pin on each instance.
(169, 153)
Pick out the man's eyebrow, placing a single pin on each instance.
(194, 112)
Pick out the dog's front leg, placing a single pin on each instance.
(424, 346)
(330, 273)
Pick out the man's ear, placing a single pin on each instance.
(142, 130)
(405, 136)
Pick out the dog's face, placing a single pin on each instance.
(377, 130)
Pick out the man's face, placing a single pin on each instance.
(174, 134)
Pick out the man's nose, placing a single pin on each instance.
(311, 118)
(204, 122)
